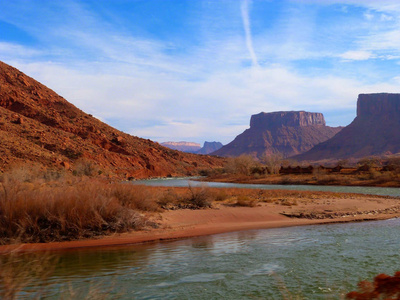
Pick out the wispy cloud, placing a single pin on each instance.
(247, 29)
(356, 55)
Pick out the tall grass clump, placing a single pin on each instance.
(33, 210)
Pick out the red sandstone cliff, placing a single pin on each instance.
(375, 131)
(37, 125)
(287, 133)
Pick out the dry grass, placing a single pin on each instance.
(31, 213)
(245, 201)
(38, 205)
(34, 209)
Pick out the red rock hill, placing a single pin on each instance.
(375, 131)
(37, 125)
(286, 132)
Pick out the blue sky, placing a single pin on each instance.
(194, 70)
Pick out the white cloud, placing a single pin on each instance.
(385, 17)
(11, 50)
(368, 16)
(357, 55)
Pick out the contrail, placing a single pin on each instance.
(246, 25)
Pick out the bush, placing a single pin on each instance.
(273, 162)
(241, 165)
(198, 198)
(85, 167)
(43, 214)
(38, 207)
(383, 287)
(135, 197)
(245, 201)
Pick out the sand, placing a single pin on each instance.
(185, 223)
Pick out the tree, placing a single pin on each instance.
(273, 162)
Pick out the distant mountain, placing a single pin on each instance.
(374, 131)
(191, 147)
(210, 147)
(37, 125)
(183, 146)
(285, 133)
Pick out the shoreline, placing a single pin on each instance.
(186, 223)
(305, 179)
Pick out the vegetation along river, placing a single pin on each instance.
(310, 262)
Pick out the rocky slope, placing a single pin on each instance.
(374, 131)
(37, 125)
(189, 147)
(284, 133)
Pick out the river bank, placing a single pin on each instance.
(241, 210)
(335, 179)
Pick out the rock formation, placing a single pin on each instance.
(210, 147)
(285, 133)
(374, 131)
(189, 147)
(37, 125)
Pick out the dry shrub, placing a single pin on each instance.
(136, 197)
(219, 194)
(33, 210)
(86, 167)
(63, 213)
(383, 287)
(168, 199)
(288, 202)
(273, 162)
(241, 165)
(245, 201)
(197, 198)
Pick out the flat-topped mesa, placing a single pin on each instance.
(374, 132)
(378, 104)
(286, 118)
(284, 133)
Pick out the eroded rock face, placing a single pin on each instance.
(286, 118)
(285, 133)
(382, 104)
(375, 131)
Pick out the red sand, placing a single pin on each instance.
(178, 224)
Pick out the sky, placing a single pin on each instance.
(196, 70)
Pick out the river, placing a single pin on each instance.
(184, 182)
(305, 262)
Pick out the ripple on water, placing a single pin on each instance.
(266, 269)
(196, 278)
